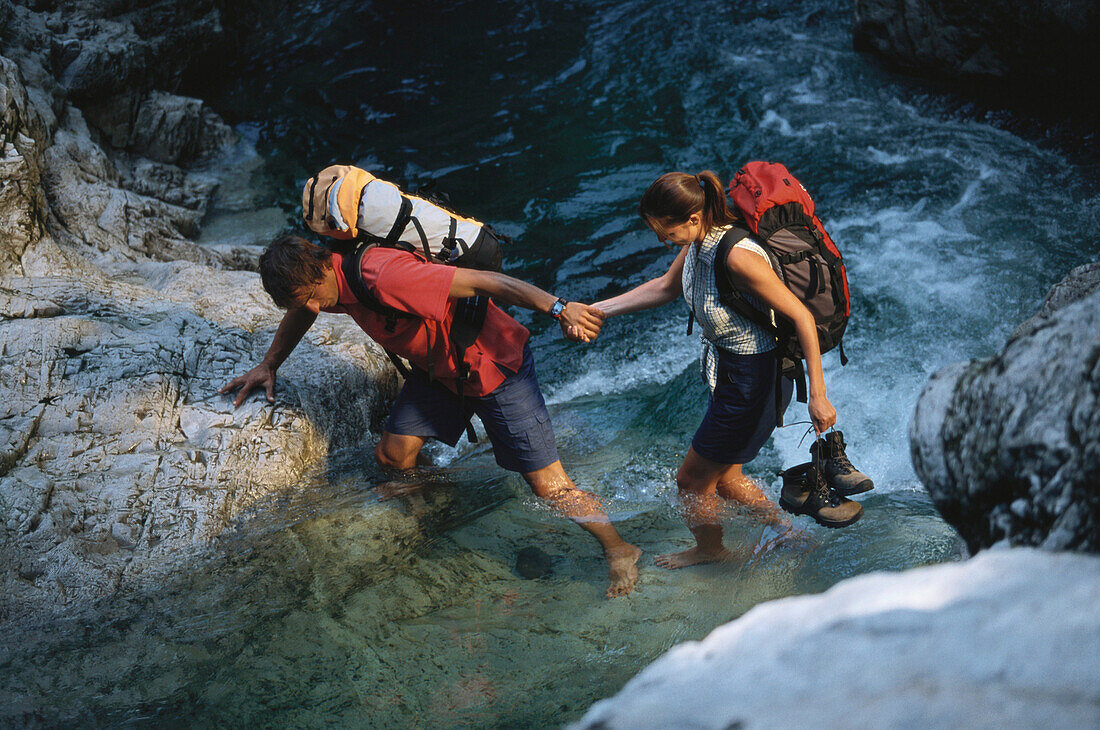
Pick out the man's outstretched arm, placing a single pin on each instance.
(586, 320)
(296, 322)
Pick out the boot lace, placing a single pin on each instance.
(843, 466)
(822, 492)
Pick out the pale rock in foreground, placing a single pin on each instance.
(1010, 638)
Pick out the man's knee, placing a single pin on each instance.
(549, 482)
(396, 452)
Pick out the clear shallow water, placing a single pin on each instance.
(550, 119)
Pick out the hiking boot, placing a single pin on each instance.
(805, 492)
(839, 472)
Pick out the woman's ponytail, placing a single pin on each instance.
(675, 196)
(715, 212)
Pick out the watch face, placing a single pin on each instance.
(556, 308)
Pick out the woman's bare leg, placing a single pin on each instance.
(697, 481)
(735, 486)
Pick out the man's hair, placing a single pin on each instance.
(289, 266)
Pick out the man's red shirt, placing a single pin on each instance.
(408, 283)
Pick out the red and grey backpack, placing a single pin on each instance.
(780, 216)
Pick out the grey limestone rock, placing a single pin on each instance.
(102, 74)
(159, 126)
(1077, 285)
(1010, 638)
(118, 459)
(116, 453)
(22, 204)
(1009, 447)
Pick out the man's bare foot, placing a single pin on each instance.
(622, 566)
(694, 556)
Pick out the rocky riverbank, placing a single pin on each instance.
(1006, 639)
(1033, 42)
(1009, 447)
(116, 327)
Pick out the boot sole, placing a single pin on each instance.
(865, 486)
(788, 507)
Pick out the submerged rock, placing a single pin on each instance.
(1009, 448)
(1010, 638)
(532, 563)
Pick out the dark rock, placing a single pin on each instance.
(1035, 39)
(1009, 447)
(106, 49)
(168, 183)
(118, 61)
(159, 126)
(532, 563)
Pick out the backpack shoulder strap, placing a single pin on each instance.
(727, 292)
(353, 274)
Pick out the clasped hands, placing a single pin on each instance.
(581, 322)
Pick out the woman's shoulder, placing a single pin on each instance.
(749, 244)
(745, 241)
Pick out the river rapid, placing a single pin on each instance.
(549, 119)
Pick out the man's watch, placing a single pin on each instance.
(557, 308)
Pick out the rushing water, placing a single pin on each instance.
(549, 119)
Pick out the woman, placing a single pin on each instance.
(690, 212)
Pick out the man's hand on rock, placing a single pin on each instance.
(261, 375)
(581, 322)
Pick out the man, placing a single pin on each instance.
(500, 386)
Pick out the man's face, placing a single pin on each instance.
(323, 293)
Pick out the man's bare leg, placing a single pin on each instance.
(398, 452)
(552, 484)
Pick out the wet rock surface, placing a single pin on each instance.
(117, 456)
(1009, 447)
(1008, 638)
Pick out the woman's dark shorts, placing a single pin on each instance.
(514, 416)
(741, 415)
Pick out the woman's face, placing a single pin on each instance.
(686, 233)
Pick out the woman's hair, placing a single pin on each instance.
(290, 265)
(675, 196)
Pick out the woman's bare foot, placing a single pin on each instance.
(694, 556)
(622, 566)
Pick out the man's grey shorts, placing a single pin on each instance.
(514, 416)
